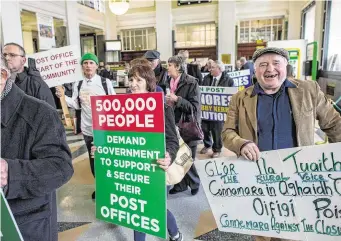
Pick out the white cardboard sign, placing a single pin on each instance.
(59, 66)
(291, 193)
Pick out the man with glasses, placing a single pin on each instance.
(217, 77)
(27, 79)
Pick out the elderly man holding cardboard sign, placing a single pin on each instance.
(277, 113)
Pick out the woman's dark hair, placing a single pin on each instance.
(142, 68)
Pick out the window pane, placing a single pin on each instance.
(309, 25)
(195, 35)
(138, 32)
(128, 43)
(151, 41)
(334, 41)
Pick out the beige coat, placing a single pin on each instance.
(308, 103)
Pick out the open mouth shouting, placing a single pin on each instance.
(270, 76)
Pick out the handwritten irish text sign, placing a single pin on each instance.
(9, 230)
(59, 66)
(291, 193)
(215, 102)
(242, 78)
(129, 134)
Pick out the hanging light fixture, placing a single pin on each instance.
(119, 7)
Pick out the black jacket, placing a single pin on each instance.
(189, 98)
(193, 70)
(225, 80)
(32, 84)
(33, 142)
(250, 66)
(106, 74)
(172, 141)
(161, 75)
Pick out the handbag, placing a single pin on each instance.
(181, 165)
(190, 131)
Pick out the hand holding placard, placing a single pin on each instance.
(250, 152)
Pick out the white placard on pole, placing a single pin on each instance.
(59, 66)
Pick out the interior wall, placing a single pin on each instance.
(28, 42)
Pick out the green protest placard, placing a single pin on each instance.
(9, 230)
(130, 186)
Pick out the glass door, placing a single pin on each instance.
(88, 45)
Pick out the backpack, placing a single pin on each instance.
(104, 84)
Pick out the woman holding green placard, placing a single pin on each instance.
(142, 80)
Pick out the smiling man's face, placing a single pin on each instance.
(271, 71)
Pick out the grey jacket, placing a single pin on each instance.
(33, 143)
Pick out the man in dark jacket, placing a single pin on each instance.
(27, 79)
(161, 74)
(35, 160)
(106, 73)
(191, 69)
(247, 65)
(217, 77)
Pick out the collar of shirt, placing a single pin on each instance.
(218, 77)
(90, 80)
(174, 84)
(258, 89)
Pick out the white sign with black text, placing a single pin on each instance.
(59, 66)
(291, 193)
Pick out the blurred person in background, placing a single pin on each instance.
(191, 69)
(217, 77)
(238, 65)
(161, 73)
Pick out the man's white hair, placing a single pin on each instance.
(220, 65)
(243, 60)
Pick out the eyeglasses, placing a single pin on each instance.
(11, 55)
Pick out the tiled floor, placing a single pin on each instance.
(76, 209)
